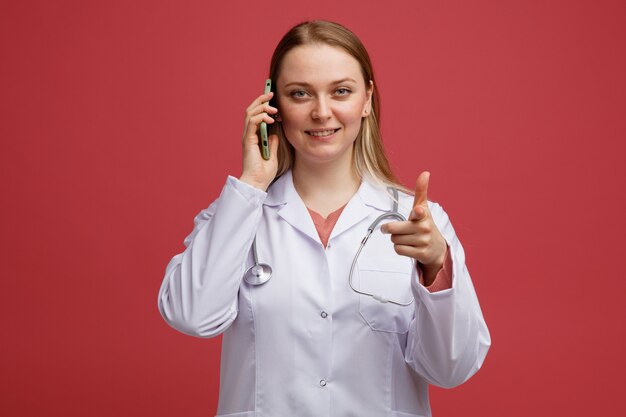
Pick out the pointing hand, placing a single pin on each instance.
(418, 237)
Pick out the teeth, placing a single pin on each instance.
(322, 133)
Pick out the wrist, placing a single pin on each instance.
(430, 270)
(253, 182)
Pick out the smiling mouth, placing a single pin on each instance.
(321, 133)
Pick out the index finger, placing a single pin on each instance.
(263, 98)
(421, 189)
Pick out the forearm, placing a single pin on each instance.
(448, 338)
(199, 292)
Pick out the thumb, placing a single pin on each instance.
(421, 189)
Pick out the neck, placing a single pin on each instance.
(324, 188)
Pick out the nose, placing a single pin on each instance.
(321, 110)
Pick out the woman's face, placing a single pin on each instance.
(322, 98)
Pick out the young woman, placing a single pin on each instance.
(343, 326)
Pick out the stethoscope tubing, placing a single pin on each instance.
(393, 215)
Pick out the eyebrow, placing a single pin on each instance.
(300, 83)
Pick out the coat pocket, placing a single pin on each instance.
(388, 279)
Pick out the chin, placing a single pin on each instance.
(325, 154)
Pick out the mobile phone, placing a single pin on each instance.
(264, 144)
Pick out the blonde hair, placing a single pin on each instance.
(368, 151)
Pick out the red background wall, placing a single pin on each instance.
(121, 119)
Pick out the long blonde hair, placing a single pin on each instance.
(368, 151)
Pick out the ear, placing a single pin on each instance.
(367, 109)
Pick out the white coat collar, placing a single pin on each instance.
(291, 208)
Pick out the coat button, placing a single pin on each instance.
(324, 314)
(322, 383)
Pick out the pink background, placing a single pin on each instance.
(120, 120)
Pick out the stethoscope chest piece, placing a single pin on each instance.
(258, 274)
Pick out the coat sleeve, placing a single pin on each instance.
(199, 292)
(448, 338)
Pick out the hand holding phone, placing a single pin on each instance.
(259, 167)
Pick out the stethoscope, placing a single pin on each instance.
(260, 273)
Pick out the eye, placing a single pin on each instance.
(343, 91)
(298, 94)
